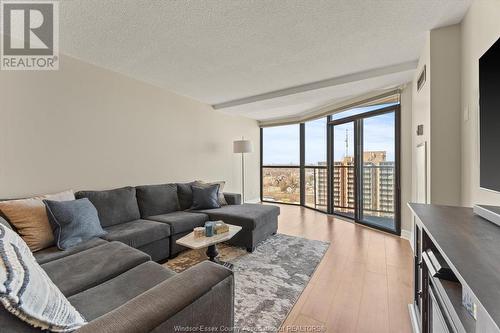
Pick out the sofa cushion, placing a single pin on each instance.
(247, 216)
(53, 253)
(83, 270)
(185, 195)
(101, 299)
(27, 292)
(157, 199)
(73, 222)
(181, 221)
(113, 206)
(137, 233)
(232, 198)
(11, 324)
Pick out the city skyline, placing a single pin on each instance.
(282, 144)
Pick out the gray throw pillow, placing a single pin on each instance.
(222, 199)
(205, 197)
(185, 195)
(73, 222)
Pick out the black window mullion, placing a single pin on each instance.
(329, 158)
(358, 173)
(261, 161)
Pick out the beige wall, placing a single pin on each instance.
(87, 127)
(445, 116)
(421, 114)
(480, 29)
(437, 106)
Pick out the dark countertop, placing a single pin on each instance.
(471, 245)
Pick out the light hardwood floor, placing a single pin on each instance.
(363, 283)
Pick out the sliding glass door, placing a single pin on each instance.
(344, 170)
(379, 171)
(365, 182)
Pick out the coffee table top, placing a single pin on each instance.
(201, 242)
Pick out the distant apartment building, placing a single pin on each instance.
(343, 185)
(386, 186)
(322, 186)
(378, 184)
(283, 185)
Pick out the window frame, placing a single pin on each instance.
(277, 166)
(329, 138)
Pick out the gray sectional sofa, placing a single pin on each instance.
(152, 218)
(116, 283)
(119, 289)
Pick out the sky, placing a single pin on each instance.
(282, 146)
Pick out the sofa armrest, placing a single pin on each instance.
(233, 198)
(184, 299)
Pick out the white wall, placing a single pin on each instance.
(84, 127)
(480, 29)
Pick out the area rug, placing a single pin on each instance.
(268, 281)
(190, 258)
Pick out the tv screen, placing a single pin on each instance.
(489, 118)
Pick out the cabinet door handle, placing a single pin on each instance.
(428, 264)
(419, 293)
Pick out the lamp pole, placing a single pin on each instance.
(243, 177)
(241, 147)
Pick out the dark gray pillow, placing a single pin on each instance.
(157, 199)
(205, 197)
(185, 195)
(113, 206)
(73, 222)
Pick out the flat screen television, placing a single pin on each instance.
(489, 118)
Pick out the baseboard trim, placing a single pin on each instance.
(257, 200)
(414, 318)
(405, 234)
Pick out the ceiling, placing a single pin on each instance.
(223, 50)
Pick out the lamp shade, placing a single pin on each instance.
(242, 146)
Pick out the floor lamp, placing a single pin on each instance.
(242, 147)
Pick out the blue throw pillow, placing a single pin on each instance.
(205, 197)
(73, 222)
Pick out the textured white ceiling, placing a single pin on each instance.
(306, 102)
(221, 50)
